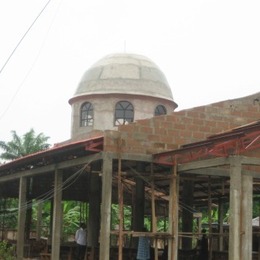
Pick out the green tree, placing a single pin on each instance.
(20, 146)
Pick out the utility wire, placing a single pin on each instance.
(18, 44)
(26, 76)
(49, 194)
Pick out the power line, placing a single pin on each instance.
(27, 31)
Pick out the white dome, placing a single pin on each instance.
(124, 74)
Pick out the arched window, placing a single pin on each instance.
(160, 110)
(124, 113)
(86, 114)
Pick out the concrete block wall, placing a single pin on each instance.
(169, 132)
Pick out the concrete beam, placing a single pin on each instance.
(52, 167)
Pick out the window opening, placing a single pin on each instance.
(160, 110)
(124, 113)
(86, 114)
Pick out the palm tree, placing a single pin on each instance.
(20, 146)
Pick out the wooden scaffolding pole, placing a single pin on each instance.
(120, 203)
(154, 219)
(174, 215)
(210, 218)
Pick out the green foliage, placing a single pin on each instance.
(6, 251)
(256, 206)
(71, 217)
(162, 224)
(127, 216)
(20, 146)
(8, 213)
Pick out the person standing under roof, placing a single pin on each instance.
(143, 250)
(81, 240)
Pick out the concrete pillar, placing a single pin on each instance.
(139, 202)
(57, 216)
(107, 171)
(235, 200)
(94, 207)
(21, 218)
(246, 214)
(187, 215)
(39, 219)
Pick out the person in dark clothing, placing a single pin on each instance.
(165, 253)
(203, 248)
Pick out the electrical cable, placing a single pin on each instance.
(30, 69)
(49, 194)
(24, 35)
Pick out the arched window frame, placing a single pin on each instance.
(124, 113)
(160, 110)
(86, 114)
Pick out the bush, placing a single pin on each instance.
(6, 251)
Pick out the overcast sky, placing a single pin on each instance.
(208, 50)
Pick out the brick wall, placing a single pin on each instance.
(191, 125)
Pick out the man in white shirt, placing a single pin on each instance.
(81, 240)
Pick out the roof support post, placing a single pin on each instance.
(57, 216)
(187, 214)
(106, 207)
(235, 200)
(138, 220)
(94, 207)
(246, 214)
(21, 218)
